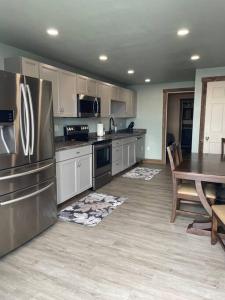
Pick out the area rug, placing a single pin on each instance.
(91, 209)
(142, 173)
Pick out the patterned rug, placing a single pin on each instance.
(142, 173)
(91, 209)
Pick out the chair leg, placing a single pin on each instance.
(214, 229)
(174, 208)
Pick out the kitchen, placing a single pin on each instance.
(95, 202)
(83, 160)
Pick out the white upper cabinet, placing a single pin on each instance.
(63, 90)
(116, 101)
(104, 92)
(52, 74)
(91, 87)
(67, 94)
(86, 86)
(81, 84)
(30, 67)
(131, 104)
(115, 92)
(22, 65)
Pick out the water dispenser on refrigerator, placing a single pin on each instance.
(7, 132)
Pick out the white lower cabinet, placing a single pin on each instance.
(73, 172)
(84, 173)
(140, 153)
(66, 180)
(123, 154)
(132, 153)
(117, 159)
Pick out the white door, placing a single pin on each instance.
(214, 117)
(84, 173)
(66, 180)
(52, 74)
(67, 94)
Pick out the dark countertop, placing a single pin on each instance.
(61, 144)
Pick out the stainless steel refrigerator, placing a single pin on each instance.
(27, 165)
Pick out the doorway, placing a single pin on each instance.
(178, 107)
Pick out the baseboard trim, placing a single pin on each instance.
(153, 161)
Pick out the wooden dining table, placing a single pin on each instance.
(202, 168)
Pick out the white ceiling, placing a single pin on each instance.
(139, 34)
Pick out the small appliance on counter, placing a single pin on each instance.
(100, 129)
(130, 127)
(76, 132)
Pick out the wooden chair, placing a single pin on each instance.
(223, 146)
(185, 191)
(179, 152)
(218, 218)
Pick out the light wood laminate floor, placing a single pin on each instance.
(135, 253)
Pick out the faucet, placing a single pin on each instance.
(111, 123)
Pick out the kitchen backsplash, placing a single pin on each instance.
(59, 123)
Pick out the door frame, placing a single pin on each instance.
(205, 81)
(166, 93)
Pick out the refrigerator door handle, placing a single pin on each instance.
(25, 140)
(26, 173)
(3, 140)
(32, 119)
(27, 196)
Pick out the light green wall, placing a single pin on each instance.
(201, 73)
(149, 114)
(91, 122)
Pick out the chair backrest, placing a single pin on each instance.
(179, 153)
(173, 155)
(223, 146)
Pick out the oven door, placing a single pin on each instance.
(102, 159)
(88, 106)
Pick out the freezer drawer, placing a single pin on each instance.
(26, 213)
(12, 180)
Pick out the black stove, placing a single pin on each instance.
(76, 132)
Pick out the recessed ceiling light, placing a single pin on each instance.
(147, 80)
(52, 31)
(103, 57)
(130, 71)
(195, 57)
(183, 31)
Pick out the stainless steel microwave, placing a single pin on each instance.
(88, 106)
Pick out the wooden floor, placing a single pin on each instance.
(135, 253)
